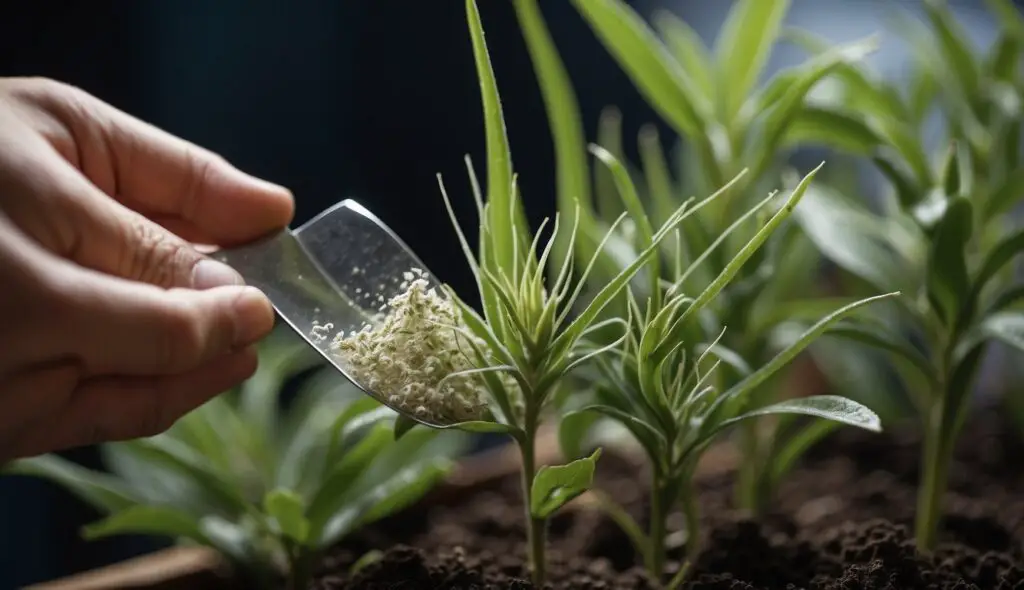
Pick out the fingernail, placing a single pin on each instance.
(210, 273)
(253, 316)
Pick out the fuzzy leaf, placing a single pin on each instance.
(285, 507)
(829, 407)
(556, 485)
(743, 46)
(948, 281)
(147, 520)
(648, 63)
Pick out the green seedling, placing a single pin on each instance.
(661, 386)
(271, 491)
(944, 235)
(728, 122)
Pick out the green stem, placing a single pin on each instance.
(934, 470)
(657, 527)
(691, 516)
(535, 527)
(748, 475)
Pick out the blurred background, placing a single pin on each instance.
(360, 98)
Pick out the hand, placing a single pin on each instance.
(112, 325)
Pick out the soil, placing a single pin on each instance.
(842, 521)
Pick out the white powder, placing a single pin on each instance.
(407, 353)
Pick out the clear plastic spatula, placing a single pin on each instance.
(338, 270)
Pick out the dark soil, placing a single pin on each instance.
(842, 521)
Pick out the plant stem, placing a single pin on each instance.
(657, 527)
(535, 527)
(749, 473)
(691, 516)
(932, 489)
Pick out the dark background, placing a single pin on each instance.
(333, 99)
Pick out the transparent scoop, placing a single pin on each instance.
(336, 272)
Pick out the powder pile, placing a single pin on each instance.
(409, 351)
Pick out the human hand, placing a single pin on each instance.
(112, 326)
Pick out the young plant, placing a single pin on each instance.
(727, 123)
(662, 387)
(530, 328)
(945, 234)
(269, 490)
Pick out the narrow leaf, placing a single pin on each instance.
(743, 47)
(147, 520)
(948, 281)
(648, 63)
(103, 492)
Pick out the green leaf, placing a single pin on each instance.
(147, 520)
(1008, 16)
(689, 50)
(631, 200)
(647, 62)
(609, 137)
(554, 486)
(957, 171)
(101, 491)
(734, 265)
(484, 427)
(957, 54)
(783, 358)
(849, 236)
(389, 496)
(649, 437)
(286, 509)
(832, 128)
(337, 484)
(998, 257)
(656, 174)
(499, 158)
(369, 558)
(403, 424)
(830, 407)
(875, 336)
(1005, 195)
(948, 281)
(176, 457)
(565, 122)
(777, 119)
(1006, 326)
(809, 309)
(572, 432)
(743, 46)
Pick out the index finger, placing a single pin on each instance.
(159, 174)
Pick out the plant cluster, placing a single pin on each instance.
(270, 490)
(639, 305)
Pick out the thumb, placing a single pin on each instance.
(128, 328)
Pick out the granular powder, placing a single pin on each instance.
(410, 353)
